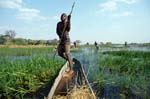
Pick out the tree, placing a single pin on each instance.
(2, 40)
(10, 33)
(108, 43)
(20, 41)
(52, 42)
(101, 43)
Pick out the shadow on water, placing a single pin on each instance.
(40, 93)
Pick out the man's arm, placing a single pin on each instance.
(58, 31)
(68, 23)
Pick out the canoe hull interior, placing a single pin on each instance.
(65, 82)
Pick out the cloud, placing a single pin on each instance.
(30, 14)
(27, 14)
(110, 7)
(13, 4)
(123, 14)
(127, 1)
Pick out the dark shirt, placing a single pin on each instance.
(63, 31)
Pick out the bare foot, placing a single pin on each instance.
(70, 72)
(73, 62)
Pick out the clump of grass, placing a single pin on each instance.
(24, 76)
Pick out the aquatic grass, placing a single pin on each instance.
(6, 51)
(127, 70)
(131, 54)
(24, 76)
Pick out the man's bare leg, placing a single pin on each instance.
(70, 63)
(67, 54)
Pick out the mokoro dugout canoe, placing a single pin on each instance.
(66, 85)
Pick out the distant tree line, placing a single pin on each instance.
(8, 38)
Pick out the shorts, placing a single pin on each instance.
(64, 48)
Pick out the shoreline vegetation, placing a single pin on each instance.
(25, 46)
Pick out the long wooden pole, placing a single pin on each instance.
(63, 31)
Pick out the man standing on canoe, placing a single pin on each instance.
(63, 29)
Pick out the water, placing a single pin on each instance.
(90, 59)
(89, 56)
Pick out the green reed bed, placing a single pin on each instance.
(25, 76)
(131, 54)
(127, 70)
(6, 51)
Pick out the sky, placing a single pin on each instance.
(114, 21)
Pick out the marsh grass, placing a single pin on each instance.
(21, 76)
(23, 51)
(127, 70)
